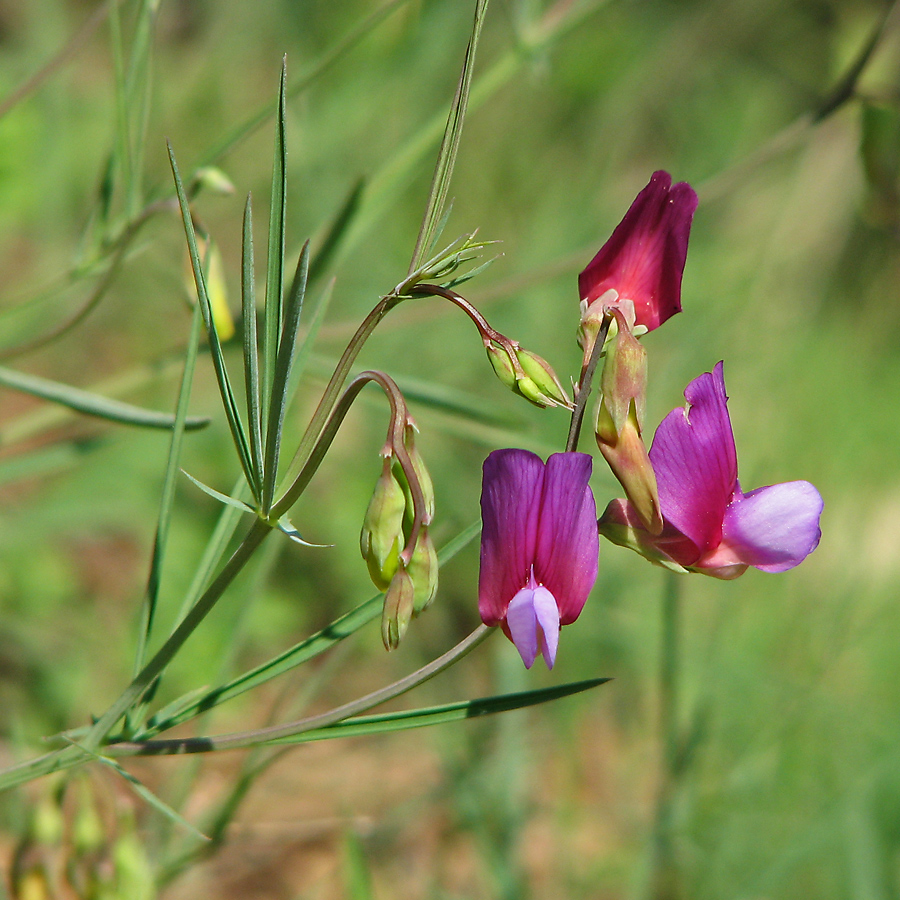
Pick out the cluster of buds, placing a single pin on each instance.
(394, 540)
(525, 373)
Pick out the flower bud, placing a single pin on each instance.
(425, 482)
(399, 603)
(618, 427)
(542, 375)
(502, 365)
(423, 570)
(381, 538)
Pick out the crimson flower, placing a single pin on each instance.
(643, 260)
(711, 525)
(539, 547)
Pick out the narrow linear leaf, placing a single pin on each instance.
(144, 792)
(151, 594)
(439, 715)
(222, 498)
(314, 645)
(93, 404)
(281, 377)
(275, 264)
(238, 434)
(250, 342)
(443, 170)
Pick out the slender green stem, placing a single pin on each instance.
(280, 732)
(664, 882)
(331, 393)
(584, 388)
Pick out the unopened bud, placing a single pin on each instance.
(425, 483)
(541, 373)
(382, 532)
(399, 603)
(423, 569)
(502, 365)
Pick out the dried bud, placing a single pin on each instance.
(399, 603)
(381, 538)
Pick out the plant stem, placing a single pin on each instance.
(664, 879)
(584, 388)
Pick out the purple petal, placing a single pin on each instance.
(695, 462)
(774, 528)
(644, 258)
(567, 548)
(533, 621)
(510, 503)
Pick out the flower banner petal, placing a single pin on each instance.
(510, 502)
(567, 544)
(644, 258)
(695, 462)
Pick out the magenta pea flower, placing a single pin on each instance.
(643, 260)
(711, 525)
(539, 547)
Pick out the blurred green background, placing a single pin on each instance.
(789, 685)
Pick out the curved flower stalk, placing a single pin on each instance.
(643, 260)
(711, 525)
(539, 547)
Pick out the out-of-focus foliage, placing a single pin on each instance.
(790, 683)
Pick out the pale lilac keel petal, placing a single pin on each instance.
(547, 614)
(774, 528)
(695, 462)
(533, 622)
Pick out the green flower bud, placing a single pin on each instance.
(423, 570)
(502, 365)
(399, 603)
(542, 375)
(532, 393)
(381, 538)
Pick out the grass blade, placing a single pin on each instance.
(250, 342)
(93, 404)
(151, 595)
(443, 170)
(281, 377)
(439, 715)
(238, 434)
(275, 265)
(328, 249)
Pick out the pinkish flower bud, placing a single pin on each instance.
(643, 260)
